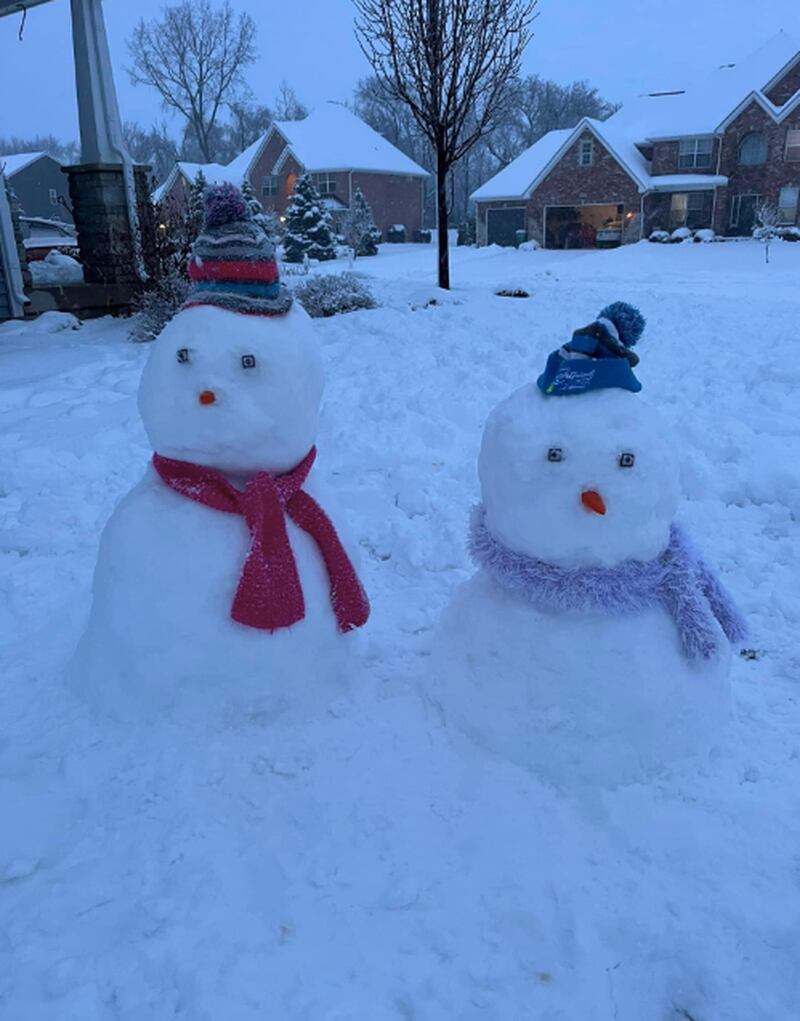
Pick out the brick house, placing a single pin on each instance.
(341, 153)
(705, 157)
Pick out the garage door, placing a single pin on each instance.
(503, 224)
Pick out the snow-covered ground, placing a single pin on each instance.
(369, 868)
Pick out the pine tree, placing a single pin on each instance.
(196, 205)
(358, 227)
(268, 222)
(308, 228)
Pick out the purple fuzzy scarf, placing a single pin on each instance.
(679, 580)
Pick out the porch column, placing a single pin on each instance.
(108, 201)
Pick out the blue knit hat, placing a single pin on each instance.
(233, 263)
(599, 356)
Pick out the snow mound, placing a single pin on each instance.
(56, 268)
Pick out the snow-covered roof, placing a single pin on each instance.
(13, 163)
(701, 108)
(214, 173)
(331, 138)
(522, 175)
(687, 182)
(515, 180)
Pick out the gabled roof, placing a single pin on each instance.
(15, 162)
(332, 138)
(520, 178)
(704, 107)
(329, 138)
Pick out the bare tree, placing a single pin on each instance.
(449, 61)
(151, 145)
(194, 56)
(287, 106)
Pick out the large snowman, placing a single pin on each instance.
(593, 642)
(220, 578)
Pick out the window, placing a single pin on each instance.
(586, 153)
(689, 209)
(793, 146)
(753, 150)
(269, 185)
(695, 152)
(325, 183)
(743, 210)
(787, 203)
(53, 197)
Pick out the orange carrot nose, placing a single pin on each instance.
(593, 501)
(207, 397)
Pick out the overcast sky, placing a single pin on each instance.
(621, 46)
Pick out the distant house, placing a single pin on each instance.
(39, 184)
(709, 156)
(341, 153)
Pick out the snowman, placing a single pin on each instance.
(592, 645)
(220, 576)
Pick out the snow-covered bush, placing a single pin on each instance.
(359, 232)
(396, 234)
(155, 306)
(705, 235)
(680, 234)
(659, 237)
(530, 246)
(323, 296)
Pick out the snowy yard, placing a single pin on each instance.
(368, 868)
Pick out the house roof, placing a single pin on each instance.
(12, 164)
(703, 107)
(522, 175)
(332, 137)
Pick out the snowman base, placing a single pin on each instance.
(578, 697)
(161, 642)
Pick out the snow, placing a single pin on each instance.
(687, 182)
(527, 171)
(332, 138)
(369, 864)
(517, 179)
(701, 107)
(56, 268)
(14, 162)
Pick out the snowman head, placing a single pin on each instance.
(579, 481)
(239, 393)
(234, 380)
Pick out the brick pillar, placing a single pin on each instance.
(100, 209)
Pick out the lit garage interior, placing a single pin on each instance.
(591, 226)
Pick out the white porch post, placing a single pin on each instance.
(98, 112)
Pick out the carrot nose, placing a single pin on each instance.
(593, 501)
(207, 397)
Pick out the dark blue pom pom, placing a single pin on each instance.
(629, 321)
(225, 204)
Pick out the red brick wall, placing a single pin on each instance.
(394, 198)
(665, 160)
(570, 184)
(765, 180)
(785, 87)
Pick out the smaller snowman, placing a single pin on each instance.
(592, 645)
(219, 576)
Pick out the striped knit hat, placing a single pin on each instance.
(233, 264)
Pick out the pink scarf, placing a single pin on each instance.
(270, 595)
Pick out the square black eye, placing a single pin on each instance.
(555, 454)
(627, 460)
(183, 354)
(248, 361)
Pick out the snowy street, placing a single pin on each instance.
(371, 866)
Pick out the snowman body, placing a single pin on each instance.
(239, 395)
(578, 695)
